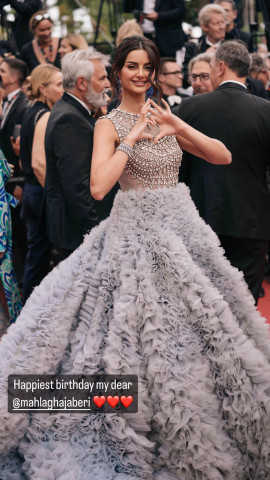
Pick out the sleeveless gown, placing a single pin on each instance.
(149, 292)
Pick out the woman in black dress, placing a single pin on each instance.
(45, 89)
(44, 47)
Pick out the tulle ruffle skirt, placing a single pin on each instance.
(150, 293)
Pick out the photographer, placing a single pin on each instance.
(20, 27)
(161, 22)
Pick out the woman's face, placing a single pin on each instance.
(64, 48)
(43, 30)
(135, 72)
(54, 90)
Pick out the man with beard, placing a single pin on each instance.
(71, 211)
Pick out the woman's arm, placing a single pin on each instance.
(190, 139)
(38, 149)
(107, 163)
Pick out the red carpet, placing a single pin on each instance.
(264, 303)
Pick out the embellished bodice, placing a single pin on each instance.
(150, 166)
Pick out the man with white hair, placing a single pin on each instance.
(213, 20)
(232, 32)
(70, 209)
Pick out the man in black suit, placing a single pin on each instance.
(167, 17)
(233, 200)
(13, 73)
(71, 210)
(232, 32)
(171, 78)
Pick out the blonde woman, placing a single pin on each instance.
(45, 89)
(72, 41)
(127, 29)
(44, 47)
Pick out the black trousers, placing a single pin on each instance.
(37, 261)
(249, 256)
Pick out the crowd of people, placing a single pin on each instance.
(158, 270)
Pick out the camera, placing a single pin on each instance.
(138, 14)
(253, 27)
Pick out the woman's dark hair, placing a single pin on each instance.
(136, 42)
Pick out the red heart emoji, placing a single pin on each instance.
(112, 401)
(99, 401)
(126, 401)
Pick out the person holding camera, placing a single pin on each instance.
(161, 22)
(20, 27)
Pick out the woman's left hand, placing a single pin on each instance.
(167, 122)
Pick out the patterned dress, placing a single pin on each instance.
(149, 293)
(7, 273)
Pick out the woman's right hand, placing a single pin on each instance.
(138, 131)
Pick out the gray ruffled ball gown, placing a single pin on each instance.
(149, 292)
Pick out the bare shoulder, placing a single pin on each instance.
(105, 127)
(43, 120)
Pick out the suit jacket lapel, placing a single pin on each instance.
(11, 110)
(69, 99)
(158, 2)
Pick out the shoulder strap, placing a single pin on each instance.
(39, 114)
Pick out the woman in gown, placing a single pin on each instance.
(149, 292)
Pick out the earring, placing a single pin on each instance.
(150, 92)
(118, 88)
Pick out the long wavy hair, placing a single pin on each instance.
(136, 42)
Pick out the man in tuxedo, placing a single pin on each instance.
(166, 17)
(13, 73)
(233, 199)
(71, 210)
(171, 78)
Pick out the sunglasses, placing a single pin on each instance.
(38, 18)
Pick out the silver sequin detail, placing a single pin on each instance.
(152, 165)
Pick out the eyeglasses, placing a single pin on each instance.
(37, 19)
(177, 72)
(202, 76)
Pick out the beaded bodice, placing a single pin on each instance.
(150, 166)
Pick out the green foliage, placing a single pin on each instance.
(112, 16)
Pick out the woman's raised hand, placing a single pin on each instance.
(167, 122)
(139, 131)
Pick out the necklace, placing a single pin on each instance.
(46, 57)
